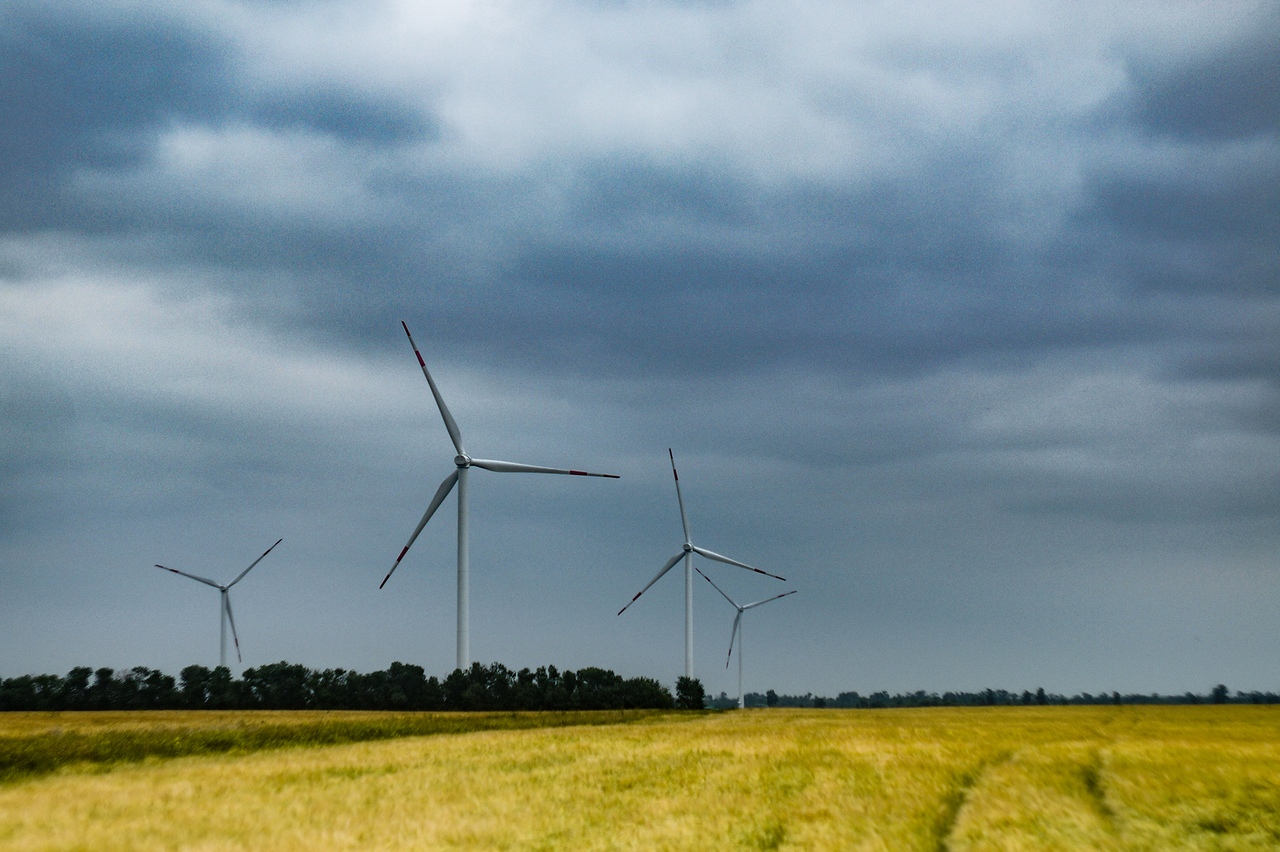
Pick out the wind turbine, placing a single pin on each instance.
(687, 555)
(224, 609)
(737, 627)
(464, 463)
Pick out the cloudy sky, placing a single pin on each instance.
(967, 324)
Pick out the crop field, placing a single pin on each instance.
(1042, 778)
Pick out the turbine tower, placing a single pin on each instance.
(687, 555)
(464, 463)
(224, 608)
(737, 628)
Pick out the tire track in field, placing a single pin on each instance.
(955, 800)
(1089, 771)
(1091, 775)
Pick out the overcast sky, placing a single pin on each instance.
(966, 324)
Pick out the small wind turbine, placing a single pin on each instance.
(687, 555)
(464, 463)
(224, 608)
(737, 628)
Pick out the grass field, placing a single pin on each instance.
(1109, 778)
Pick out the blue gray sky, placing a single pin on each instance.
(967, 323)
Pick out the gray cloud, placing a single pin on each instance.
(86, 89)
(344, 114)
(1229, 94)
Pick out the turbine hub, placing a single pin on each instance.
(462, 460)
(688, 548)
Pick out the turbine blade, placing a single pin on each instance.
(513, 467)
(665, 568)
(204, 580)
(766, 600)
(717, 588)
(255, 562)
(733, 634)
(226, 602)
(727, 561)
(455, 434)
(441, 493)
(684, 520)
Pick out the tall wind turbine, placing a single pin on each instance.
(224, 608)
(737, 628)
(464, 463)
(687, 555)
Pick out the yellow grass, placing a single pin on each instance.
(936, 779)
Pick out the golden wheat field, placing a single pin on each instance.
(1044, 778)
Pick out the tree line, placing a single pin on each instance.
(289, 686)
(989, 698)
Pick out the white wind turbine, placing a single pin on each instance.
(224, 608)
(464, 463)
(737, 627)
(687, 555)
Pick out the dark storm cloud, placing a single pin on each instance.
(692, 265)
(86, 89)
(703, 271)
(1189, 214)
(1205, 169)
(1229, 95)
(39, 447)
(1199, 207)
(343, 114)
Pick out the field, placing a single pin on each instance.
(1106, 778)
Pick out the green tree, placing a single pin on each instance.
(223, 692)
(150, 689)
(409, 687)
(278, 686)
(689, 694)
(194, 686)
(598, 689)
(646, 692)
(102, 695)
(75, 688)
